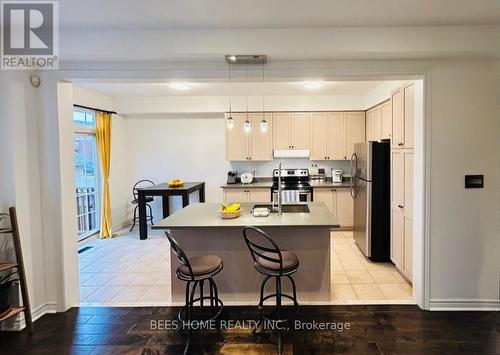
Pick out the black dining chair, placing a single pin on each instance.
(135, 201)
(272, 262)
(195, 272)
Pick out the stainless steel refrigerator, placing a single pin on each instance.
(370, 171)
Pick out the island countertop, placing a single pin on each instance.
(206, 215)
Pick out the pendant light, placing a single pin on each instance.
(247, 126)
(263, 123)
(230, 120)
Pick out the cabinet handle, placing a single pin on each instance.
(400, 144)
(400, 206)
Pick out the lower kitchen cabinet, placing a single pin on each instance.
(339, 202)
(247, 195)
(402, 210)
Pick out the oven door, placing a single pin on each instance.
(292, 196)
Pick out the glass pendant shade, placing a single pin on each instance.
(247, 126)
(263, 125)
(230, 122)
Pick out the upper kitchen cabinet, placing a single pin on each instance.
(337, 136)
(282, 130)
(386, 112)
(355, 131)
(301, 127)
(403, 116)
(255, 145)
(319, 136)
(374, 124)
(291, 130)
(333, 134)
(409, 115)
(379, 122)
(261, 142)
(237, 144)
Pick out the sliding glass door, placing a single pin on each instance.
(87, 174)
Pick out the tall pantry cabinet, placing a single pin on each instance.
(402, 153)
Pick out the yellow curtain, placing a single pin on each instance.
(103, 135)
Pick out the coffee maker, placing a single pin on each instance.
(232, 177)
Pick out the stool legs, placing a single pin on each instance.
(135, 218)
(188, 317)
(278, 296)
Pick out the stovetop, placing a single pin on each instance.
(292, 179)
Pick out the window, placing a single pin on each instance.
(87, 174)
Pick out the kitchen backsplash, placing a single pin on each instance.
(265, 168)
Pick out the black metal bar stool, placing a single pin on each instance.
(135, 201)
(195, 272)
(270, 261)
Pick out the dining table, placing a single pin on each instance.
(165, 191)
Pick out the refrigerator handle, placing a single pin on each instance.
(354, 159)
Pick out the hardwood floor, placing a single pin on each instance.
(377, 329)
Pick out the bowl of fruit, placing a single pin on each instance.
(176, 183)
(230, 211)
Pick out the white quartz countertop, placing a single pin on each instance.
(206, 215)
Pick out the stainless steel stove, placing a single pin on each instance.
(295, 185)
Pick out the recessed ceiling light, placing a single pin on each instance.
(180, 86)
(313, 84)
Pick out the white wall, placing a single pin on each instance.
(218, 104)
(190, 149)
(20, 177)
(465, 223)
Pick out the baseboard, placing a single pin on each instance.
(19, 323)
(464, 305)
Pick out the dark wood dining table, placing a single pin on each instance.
(165, 192)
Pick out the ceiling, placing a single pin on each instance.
(234, 89)
(216, 14)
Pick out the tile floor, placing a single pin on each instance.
(125, 271)
(355, 279)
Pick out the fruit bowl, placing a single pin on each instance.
(229, 212)
(176, 183)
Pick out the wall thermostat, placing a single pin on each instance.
(474, 181)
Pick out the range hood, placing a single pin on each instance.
(291, 153)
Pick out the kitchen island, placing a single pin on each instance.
(199, 230)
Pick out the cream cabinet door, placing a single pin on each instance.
(237, 141)
(324, 195)
(408, 248)
(377, 124)
(336, 136)
(409, 115)
(397, 119)
(235, 195)
(319, 136)
(355, 131)
(397, 238)
(397, 179)
(408, 183)
(369, 125)
(344, 207)
(259, 195)
(261, 143)
(386, 113)
(301, 127)
(282, 130)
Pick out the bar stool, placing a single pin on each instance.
(195, 272)
(270, 261)
(135, 201)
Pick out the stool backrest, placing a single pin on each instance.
(180, 254)
(259, 242)
(139, 184)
